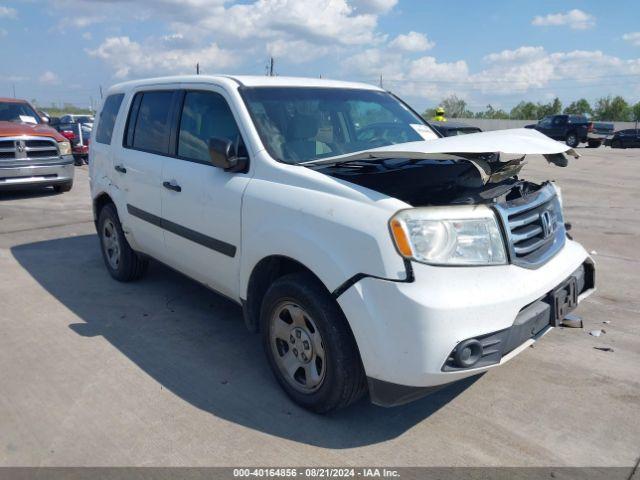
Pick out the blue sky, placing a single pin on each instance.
(497, 52)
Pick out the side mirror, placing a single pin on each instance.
(224, 155)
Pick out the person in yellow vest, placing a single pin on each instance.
(439, 115)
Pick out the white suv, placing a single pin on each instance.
(371, 254)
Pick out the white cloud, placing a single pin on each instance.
(633, 38)
(525, 69)
(296, 31)
(87, 35)
(575, 19)
(8, 12)
(49, 78)
(373, 6)
(128, 57)
(3, 32)
(296, 51)
(412, 42)
(316, 21)
(422, 77)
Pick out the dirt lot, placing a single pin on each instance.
(163, 372)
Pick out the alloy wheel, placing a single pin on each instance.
(111, 243)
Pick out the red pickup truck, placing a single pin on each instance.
(31, 152)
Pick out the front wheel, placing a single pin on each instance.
(123, 263)
(572, 140)
(309, 345)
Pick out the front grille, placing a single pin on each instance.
(534, 227)
(23, 151)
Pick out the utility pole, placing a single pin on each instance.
(100, 92)
(198, 68)
(380, 80)
(271, 67)
(14, 90)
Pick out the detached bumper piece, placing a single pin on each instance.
(531, 321)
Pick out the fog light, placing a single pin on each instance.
(468, 353)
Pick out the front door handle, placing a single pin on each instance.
(120, 168)
(172, 186)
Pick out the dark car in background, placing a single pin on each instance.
(627, 138)
(451, 129)
(572, 129)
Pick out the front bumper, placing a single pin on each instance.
(407, 331)
(60, 171)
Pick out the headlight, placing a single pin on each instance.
(462, 235)
(65, 148)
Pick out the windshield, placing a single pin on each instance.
(304, 124)
(18, 112)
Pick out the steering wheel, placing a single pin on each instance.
(383, 133)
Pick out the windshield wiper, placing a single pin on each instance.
(336, 160)
(327, 162)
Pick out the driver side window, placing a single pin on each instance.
(205, 115)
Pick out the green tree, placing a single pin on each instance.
(492, 113)
(429, 113)
(524, 111)
(455, 107)
(552, 108)
(635, 110)
(612, 109)
(579, 107)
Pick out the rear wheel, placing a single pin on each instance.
(309, 345)
(572, 140)
(123, 263)
(63, 187)
(594, 144)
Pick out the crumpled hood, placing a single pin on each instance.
(513, 142)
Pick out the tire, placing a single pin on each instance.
(331, 375)
(123, 263)
(594, 144)
(572, 140)
(63, 187)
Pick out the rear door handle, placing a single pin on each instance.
(172, 186)
(120, 168)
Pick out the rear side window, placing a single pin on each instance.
(205, 115)
(151, 123)
(108, 118)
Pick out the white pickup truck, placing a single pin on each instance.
(371, 254)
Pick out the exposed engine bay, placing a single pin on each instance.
(444, 179)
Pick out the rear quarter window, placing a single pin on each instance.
(108, 117)
(149, 122)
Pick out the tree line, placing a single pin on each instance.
(605, 108)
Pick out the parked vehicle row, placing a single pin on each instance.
(371, 253)
(77, 129)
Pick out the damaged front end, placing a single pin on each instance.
(454, 171)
